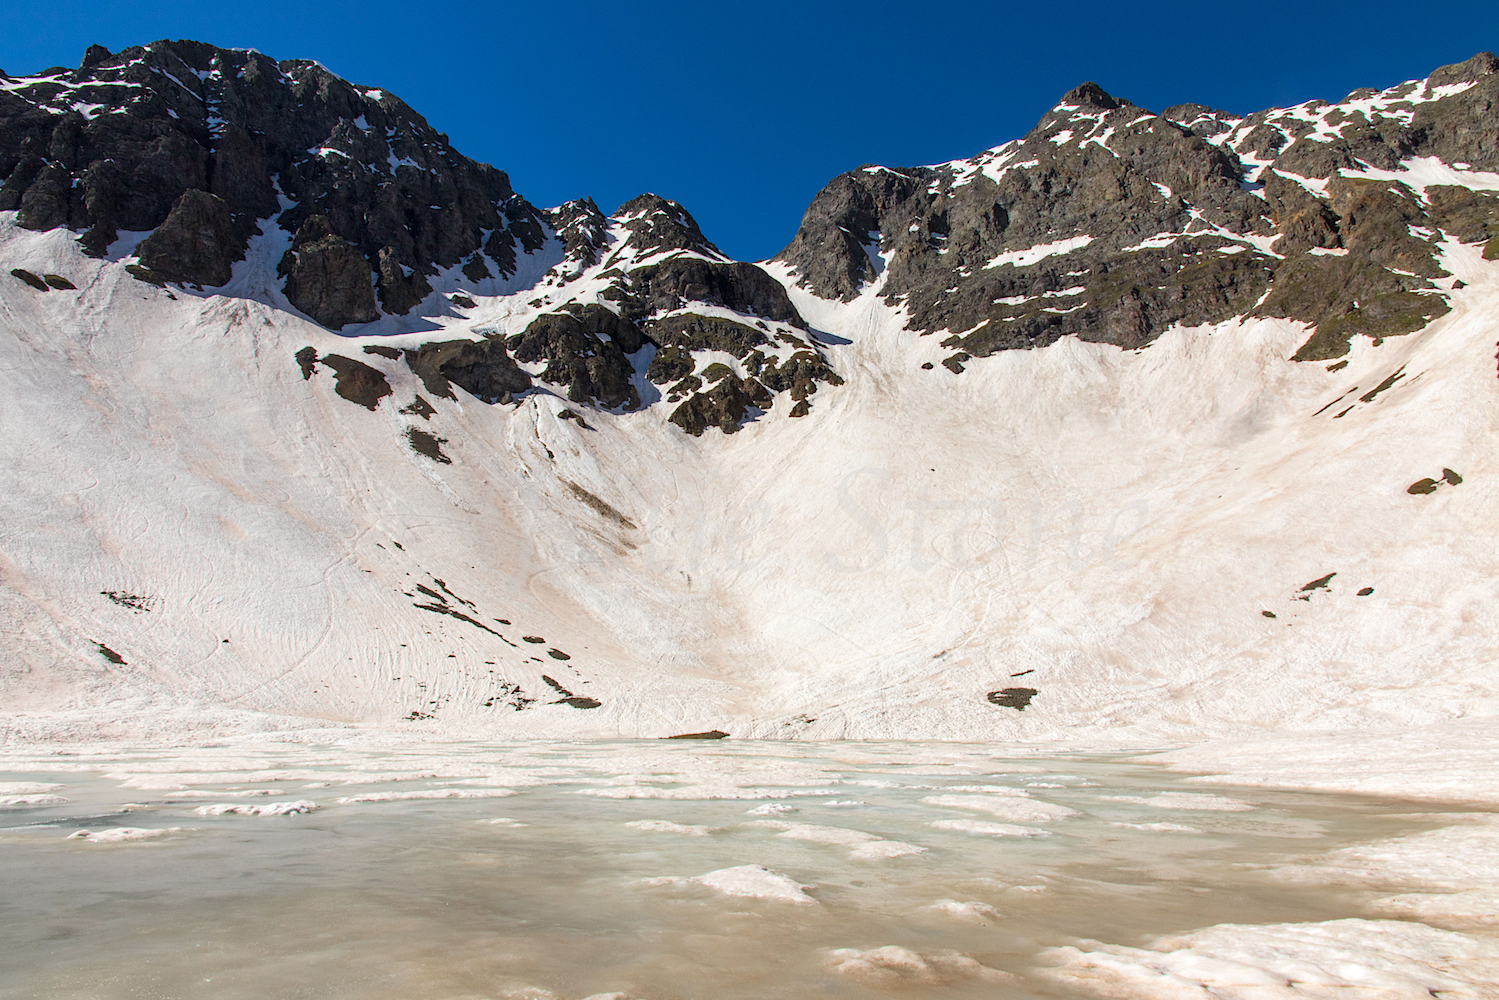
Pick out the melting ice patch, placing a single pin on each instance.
(970, 912)
(667, 826)
(122, 834)
(755, 881)
(1015, 807)
(299, 807)
(1184, 800)
(893, 965)
(700, 792)
(987, 829)
(428, 793)
(27, 787)
(861, 845)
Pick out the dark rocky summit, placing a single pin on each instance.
(653, 299)
(1111, 223)
(206, 142)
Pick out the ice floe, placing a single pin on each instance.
(298, 807)
(893, 965)
(122, 834)
(988, 829)
(1016, 808)
(860, 844)
(1353, 959)
(667, 826)
(754, 881)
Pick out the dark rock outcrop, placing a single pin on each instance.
(744, 288)
(480, 368)
(35, 281)
(725, 406)
(327, 278)
(661, 270)
(198, 242)
(356, 381)
(592, 366)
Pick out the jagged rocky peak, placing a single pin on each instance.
(659, 225)
(132, 141)
(644, 289)
(1113, 223)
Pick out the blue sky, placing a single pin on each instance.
(742, 111)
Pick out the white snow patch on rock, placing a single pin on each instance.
(1038, 253)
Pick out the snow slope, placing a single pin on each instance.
(1104, 528)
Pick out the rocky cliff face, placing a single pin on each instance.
(1113, 223)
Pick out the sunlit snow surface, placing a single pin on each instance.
(358, 870)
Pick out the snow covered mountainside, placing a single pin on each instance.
(1142, 427)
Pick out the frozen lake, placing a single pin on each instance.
(660, 870)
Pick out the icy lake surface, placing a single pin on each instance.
(656, 870)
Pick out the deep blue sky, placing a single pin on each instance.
(742, 111)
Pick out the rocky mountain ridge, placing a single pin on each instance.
(1113, 223)
(1107, 222)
